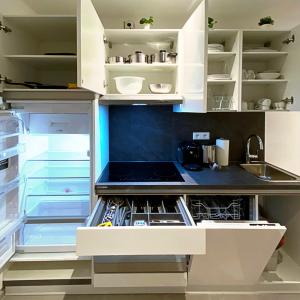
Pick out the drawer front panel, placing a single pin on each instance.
(160, 236)
(151, 280)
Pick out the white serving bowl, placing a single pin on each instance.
(129, 85)
(268, 75)
(160, 88)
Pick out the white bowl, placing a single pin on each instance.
(267, 75)
(129, 85)
(160, 88)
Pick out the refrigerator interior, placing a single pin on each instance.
(55, 165)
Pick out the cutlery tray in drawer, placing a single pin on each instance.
(142, 211)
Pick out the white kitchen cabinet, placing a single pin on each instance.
(279, 58)
(227, 62)
(193, 62)
(58, 50)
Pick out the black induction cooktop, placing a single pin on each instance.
(141, 172)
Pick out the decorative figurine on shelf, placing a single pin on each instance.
(266, 22)
(211, 23)
(147, 22)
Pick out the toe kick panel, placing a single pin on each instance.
(140, 226)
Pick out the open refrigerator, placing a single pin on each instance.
(45, 189)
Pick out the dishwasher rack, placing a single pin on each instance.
(219, 208)
(141, 211)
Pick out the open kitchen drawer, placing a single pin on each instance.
(142, 225)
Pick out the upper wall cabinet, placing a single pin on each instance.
(62, 52)
(90, 49)
(269, 63)
(53, 53)
(193, 62)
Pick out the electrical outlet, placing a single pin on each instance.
(201, 135)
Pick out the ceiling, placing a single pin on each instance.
(246, 13)
(174, 13)
(167, 13)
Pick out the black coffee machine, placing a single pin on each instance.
(190, 155)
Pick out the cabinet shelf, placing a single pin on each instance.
(220, 82)
(44, 27)
(264, 81)
(141, 99)
(220, 56)
(139, 36)
(262, 56)
(156, 67)
(45, 60)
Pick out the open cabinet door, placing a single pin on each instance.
(90, 49)
(10, 185)
(290, 69)
(236, 253)
(193, 62)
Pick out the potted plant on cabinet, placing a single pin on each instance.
(266, 22)
(147, 22)
(211, 22)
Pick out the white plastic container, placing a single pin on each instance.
(129, 85)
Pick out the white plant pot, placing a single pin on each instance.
(147, 26)
(266, 26)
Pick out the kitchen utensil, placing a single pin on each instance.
(116, 60)
(261, 49)
(222, 103)
(263, 104)
(209, 154)
(215, 48)
(162, 56)
(281, 105)
(154, 58)
(222, 152)
(171, 57)
(189, 154)
(129, 85)
(160, 88)
(266, 75)
(137, 57)
(219, 76)
(244, 74)
(251, 75)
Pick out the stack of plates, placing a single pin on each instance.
(219, 77)
(261, 49)
(215, 48)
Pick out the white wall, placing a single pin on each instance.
(282, 140)
(246, 13)
(14, 7)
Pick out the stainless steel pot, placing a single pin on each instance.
(116, 60)
(209, 154)
(138, 57)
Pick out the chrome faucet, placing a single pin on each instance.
(250, 157)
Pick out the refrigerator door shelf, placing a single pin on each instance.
(58, 187)
(11, 152)
(48, 237)
(57, 169)
(57, 206)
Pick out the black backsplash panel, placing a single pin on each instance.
(152, 133)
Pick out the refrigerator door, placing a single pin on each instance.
(236, 253)
(10, 184)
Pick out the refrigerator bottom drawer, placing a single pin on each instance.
(140, 280)
(140, 264)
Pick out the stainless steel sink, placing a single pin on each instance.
(268, 172)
